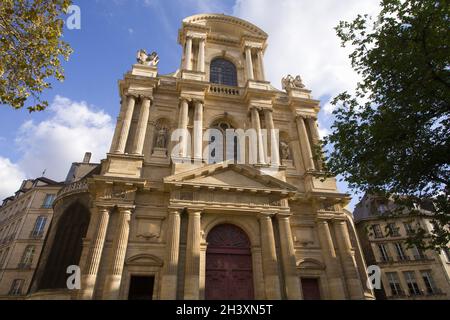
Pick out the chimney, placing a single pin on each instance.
(87, 157)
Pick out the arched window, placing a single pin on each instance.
(223, 72)
(229, 151)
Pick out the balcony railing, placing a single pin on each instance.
(225, 90)
(74, 187)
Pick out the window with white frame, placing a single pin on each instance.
(383, 252)
(377, 231)
(16, 287)
(408, 228)
(400, 252)
(393, 230)
(39, 227)
(48, 201)
(429, 281)
(413, 287)
(27, 257)
(446, 252)
(394, 283)
(418, 253)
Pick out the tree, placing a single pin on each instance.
(392, 136)
(30, 50)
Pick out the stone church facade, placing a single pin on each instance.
(145, 225)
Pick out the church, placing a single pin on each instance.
(165, 216)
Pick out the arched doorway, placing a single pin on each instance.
(229, 274)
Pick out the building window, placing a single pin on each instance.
(48, 201)
(393, 230)
(27, 258)
(382, 208)
(384, 253)
(39, 226)
(446, 253)
(413, 287)
(400, 252)
(408, 228)
(223, 72)
(3, 259)
(429, 281)
(394, 283)
(418, 253)
(16, 287)
(377, 231)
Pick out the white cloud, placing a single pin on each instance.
(302, 40)
(71, 129)
(11, 176)
(130, 30)
(53, 144)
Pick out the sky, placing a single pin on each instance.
(83, 109)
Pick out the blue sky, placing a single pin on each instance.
(84, 107)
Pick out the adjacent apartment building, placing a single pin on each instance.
(407, 272)
(24, 221)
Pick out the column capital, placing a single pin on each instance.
(146, 96)
(283, 215)
(266, 215)
(184, 99)
(198, 101)
(194, 211)
(305, 116)
(126, 210)
(134, 95)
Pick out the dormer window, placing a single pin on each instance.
(223, 72)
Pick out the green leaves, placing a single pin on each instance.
(393, 134)
(30, 50)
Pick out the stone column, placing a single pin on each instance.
(274, 138)
(182, 124)
(262, 75)
(270, 262)
(289, 262)
(312, 123)
(354, 284)
(131, 100)
(201, 56)
(170, 272)
(198, 130)
(142, 126)
(257, 126)
(188, 54)
(192, 270)
(249, 63)
(119, 124)
(304, 143)
(119, 250)
(333, 269)
(95, 253)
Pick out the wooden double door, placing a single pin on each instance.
(229, 274)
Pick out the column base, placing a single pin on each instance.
(112, 287)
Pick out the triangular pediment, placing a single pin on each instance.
(230, 176)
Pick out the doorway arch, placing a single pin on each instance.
(229, 274)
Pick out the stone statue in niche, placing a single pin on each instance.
(146, 59)
(161, 138)
(285, 152)
(289, 82)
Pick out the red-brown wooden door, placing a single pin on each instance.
(229, 273)
(311, 289)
